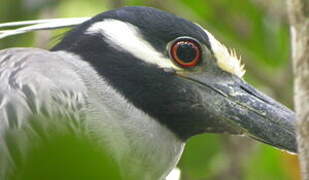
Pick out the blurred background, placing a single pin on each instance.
(257, 29)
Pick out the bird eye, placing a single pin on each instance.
(186, 52)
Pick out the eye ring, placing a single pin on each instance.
(186, 52)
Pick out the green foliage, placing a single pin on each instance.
(66, 157)
(202, 158)
(52, 148)
(265, 164)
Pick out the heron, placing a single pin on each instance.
(142, 82)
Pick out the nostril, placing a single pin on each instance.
(254, 93)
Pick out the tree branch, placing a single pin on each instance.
(299, 19)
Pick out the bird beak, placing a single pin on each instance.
(237, 104)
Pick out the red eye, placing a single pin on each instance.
(186, 52)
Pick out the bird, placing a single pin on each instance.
(142, 82)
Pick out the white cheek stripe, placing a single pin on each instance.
(125, 36)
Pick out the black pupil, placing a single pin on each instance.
(186, 52)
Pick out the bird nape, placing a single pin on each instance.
(139, 81)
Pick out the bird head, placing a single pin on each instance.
(178, 73)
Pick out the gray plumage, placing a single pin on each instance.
(36, 81)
